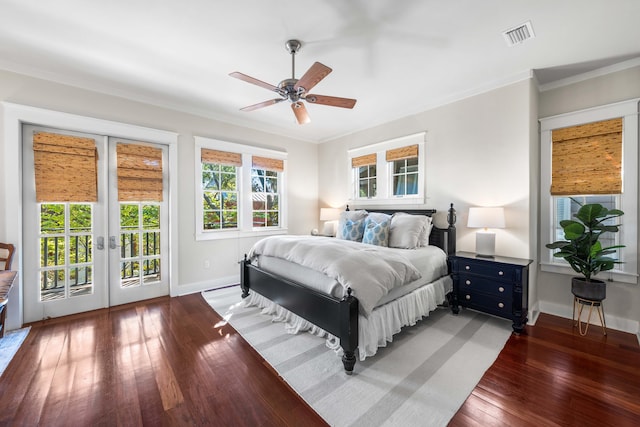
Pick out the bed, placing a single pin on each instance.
(310, 302)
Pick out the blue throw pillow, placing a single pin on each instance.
(376, 233)
(353, 230)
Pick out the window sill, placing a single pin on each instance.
(387, 202)
(238, 234)
(607, 276)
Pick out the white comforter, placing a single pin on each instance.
(370, 271)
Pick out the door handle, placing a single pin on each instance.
(112, 243)
(100, 245)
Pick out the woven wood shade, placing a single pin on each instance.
(407, 152)
(366, 160)
(587, 159)
(139, 173)
(65, 168)
(221, 157)
(267, 163)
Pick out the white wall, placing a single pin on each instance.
(477, 153)
(623, 300)
(223, 254)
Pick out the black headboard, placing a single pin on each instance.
(444, 238)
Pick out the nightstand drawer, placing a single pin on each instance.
(487, 303)
(471, 283)
(495, 271)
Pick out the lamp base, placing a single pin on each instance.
(485, 244)
(329, 228)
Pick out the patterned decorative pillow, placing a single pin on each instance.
(349, 215)
(376, 233)
(353, 230)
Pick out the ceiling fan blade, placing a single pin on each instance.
(333, 101)
(301, 112)
(254, 81)
(262, 104)
(313, 76)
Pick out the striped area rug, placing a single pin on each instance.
(420, 379)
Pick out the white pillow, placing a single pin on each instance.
(405, 230)
(423, 240)
(348, 215)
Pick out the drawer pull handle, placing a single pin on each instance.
(467, 297)
(466, 267)
(501, 289)
(501, 305)
(468, 282)
(500, 273)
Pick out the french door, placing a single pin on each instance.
(92, 237)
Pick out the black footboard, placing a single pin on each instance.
(336, 316)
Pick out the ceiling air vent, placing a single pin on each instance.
(519, 34)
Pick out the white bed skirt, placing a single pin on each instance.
(376, 330)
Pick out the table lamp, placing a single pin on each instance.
(330, 216)
(486, 218)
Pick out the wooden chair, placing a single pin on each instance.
(7, 248)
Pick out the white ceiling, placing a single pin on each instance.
(396, 57)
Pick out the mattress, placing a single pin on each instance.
(430, 261)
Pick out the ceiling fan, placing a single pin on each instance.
(294, 90)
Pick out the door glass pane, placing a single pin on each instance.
(66, 250)
(140, 243)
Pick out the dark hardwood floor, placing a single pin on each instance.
(170, 362)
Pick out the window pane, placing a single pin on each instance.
(399, 166)
(229, 201)
(259, 219)
(412, 183)
(151, 243)
(272, 202)
(212, 221)
(80, 281)
(271, 185)
(129, 274)
(80, 249)
(272, 219)
(51, 218)
(79, 218)
(52, 285)
(228, 181)
(52, 251)
(363, 171)
(364, 188)
(150, 216)
(257, 184)
(128, 216)
(211, 200)
(229, 219)
(129, 243)
(398, 185)
(151, 273)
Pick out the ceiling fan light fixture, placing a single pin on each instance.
(295, 90)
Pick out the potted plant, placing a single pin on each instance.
(583, 250)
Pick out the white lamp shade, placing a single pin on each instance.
(329, 214)
(486, 218)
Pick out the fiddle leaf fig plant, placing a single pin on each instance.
(581, 247)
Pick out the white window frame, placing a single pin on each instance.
(627, 272)
(245, 208)
(384, 177)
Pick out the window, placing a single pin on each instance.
(219, 189)
(385, 172)
(265, 198)
(241, 190)
(590, 156)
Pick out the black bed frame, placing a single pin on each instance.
(339, 317)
